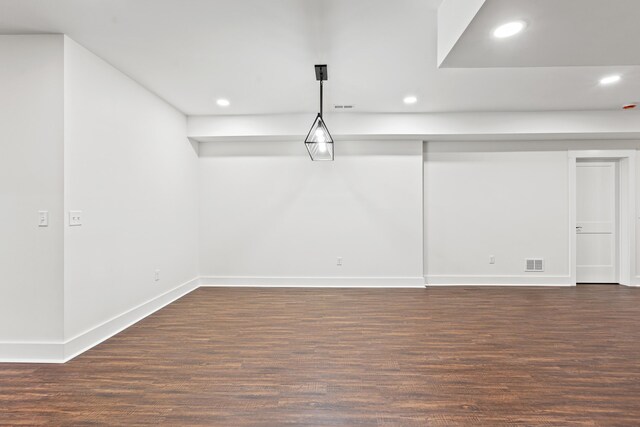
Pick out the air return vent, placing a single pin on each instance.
(534, 264)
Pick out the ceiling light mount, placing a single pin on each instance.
(318, 141)
(321, 73)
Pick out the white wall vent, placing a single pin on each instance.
(534, 264)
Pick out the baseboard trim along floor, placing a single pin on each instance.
(60, 352)
(321, 282)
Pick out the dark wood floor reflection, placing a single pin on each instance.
(353, 357)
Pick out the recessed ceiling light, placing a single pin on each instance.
(509, 29)
(223, 102)
(410, 100)
(607, 80)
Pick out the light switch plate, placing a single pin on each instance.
(43, 218)
(75, 218)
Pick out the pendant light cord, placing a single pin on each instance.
(320, 98)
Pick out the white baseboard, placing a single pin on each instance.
(506, 280)
(94, 336)
(318, 282)
(60, 352)
(32, 352)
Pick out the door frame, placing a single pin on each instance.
(626, 238)
(613, 167)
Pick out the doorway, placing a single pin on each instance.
(597, 211)
(602, 216)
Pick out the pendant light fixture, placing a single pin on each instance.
(319, 142)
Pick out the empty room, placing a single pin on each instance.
(319, 212)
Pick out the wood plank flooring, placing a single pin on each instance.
(352, 357)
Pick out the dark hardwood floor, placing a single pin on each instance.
(352, 357)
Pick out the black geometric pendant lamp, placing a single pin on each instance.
(319, 142)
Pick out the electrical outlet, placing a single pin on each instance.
(492, 259)
(75, 218)
(43, 218)
(339, 262)
(156, 275)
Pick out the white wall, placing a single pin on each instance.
(507, 199)
(31, 179)
(133, 173)
(454, 16)
(267, 211)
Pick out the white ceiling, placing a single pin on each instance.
(260, 55)
(559, 33)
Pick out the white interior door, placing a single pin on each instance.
(596, 222)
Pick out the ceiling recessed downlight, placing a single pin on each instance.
(607, 80)
(410, 99)
(223, 102)
(509, 29)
